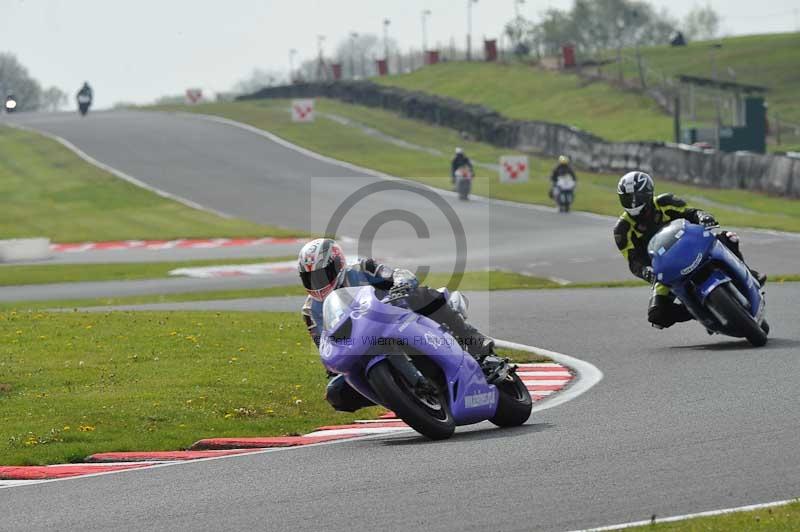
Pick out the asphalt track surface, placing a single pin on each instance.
(243, 174)
(682, 422)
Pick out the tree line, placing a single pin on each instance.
(29, 94)
(593, 26)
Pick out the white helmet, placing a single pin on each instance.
(322, 266)
(459, 150)
(635, 190)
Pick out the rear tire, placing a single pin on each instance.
(514, 403)
(395, 394)
(740, 319)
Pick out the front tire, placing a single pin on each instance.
(431, 417)
(514, 403)
(740, 319)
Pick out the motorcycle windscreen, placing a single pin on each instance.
(678, 250)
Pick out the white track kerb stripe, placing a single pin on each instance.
(587, 376)
(711, 513)
(119, 173)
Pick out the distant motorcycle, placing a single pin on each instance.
(412, 365)
(564, 192)
(714, 285)
(11, 104)
(84, 102)
(463, 176)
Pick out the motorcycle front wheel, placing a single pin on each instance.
(728, 305)
(514, 402)
(427, 413)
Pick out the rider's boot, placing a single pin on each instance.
(760, 277)
(481, 347)
(342, 397)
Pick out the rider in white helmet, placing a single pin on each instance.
(323, 268)
(458, 161)
(644, 215)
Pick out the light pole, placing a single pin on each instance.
(714, 48)
(292, 53)
(469, 28)
(425, 15)
(386, 23)
(320, 40)
(517, 3)
(353, 37)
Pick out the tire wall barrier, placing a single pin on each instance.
(774, 174)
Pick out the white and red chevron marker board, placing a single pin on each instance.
(303, 110)
(514, 169)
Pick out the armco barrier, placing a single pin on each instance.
(775, 174)
(20, 249)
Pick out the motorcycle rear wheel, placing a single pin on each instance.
(429, 416)
(729, 306)
(514, 403)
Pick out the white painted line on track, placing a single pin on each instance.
(358, 431)
(587, 376)
(674, 518)
(15, 483)
(119, 173)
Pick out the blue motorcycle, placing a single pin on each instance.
(412, 365)
(715, 286)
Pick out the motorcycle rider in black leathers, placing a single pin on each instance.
(644, 215)
(86, 90)
(323, 269)
(458, 161)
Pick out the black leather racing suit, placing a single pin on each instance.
(458, 161)
(422, 300)
(632, 234)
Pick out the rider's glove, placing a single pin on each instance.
(405, 278)
(404, 282)
(648, 274)
(706, 219)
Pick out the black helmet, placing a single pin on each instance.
(635, 191)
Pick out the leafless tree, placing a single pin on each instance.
(701, 23)
(14, 79)
(259, 79)
(53, 99)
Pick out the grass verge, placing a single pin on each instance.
(524, 283)
(527, 93)
(775, 519)
(47, 190)
(75, 384)
(123, 271)
(596, 192)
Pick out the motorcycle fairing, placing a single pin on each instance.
(379, 330)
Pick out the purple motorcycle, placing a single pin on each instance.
(411, 365)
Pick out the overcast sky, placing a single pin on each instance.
(135, 51)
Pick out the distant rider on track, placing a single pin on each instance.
(323, 269)
(644, 215)
(459, 160)
(562, 168)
